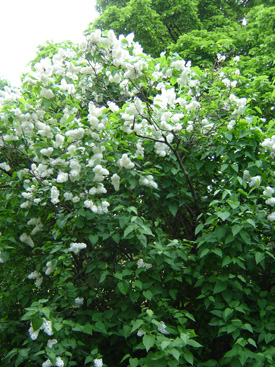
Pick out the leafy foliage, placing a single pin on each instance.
(137, 221)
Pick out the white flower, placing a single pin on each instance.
(75, 247)
(26, 239)
(98, 362)
(244, 22)
(5, 166)
(113, 107)
(141, 332)
(46, 93)
(148, 181)
(268, 191)
(47, 327)
(115, 181)
(59, 139)
(75, 134)
(125, 162)
(271, 217)
(47, 363)
(59, 362)
(62, 177)
(270, 201)
(255, 181)
(142, 264)
(54, 195)
(51, 342)
(50, 268)
(47, 151)
(231, 125)
(162, 328)
(220, 57)
(79, 301)
(38, 278)
(33, 334)
(246, 175)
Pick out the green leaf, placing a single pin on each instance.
(93, 239)
(203, 253)
(100, 327)
(173, 209)
(148, 294)
(175, 353)
(133, 362)
(129, 229)
(218, 252)
(223, 215)
(123, 287)
(188, 356)
(227, 313)
(259, 256)
(148, 341)
(245, 236)
(37, 322)
(164, 344)
(199, 228)
(252, 342)
(219, 287)
(194, 343)
(248, 327)
(103, 276)
(236, 229)
(88, 329)
(227, 260)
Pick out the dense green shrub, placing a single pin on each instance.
(136, 213)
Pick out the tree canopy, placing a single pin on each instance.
(137, 200)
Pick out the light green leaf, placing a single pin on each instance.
(175, 353)
(188, 356)
(148, 341)
(223, 215)
(236, 229)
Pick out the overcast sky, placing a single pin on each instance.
(25, 24)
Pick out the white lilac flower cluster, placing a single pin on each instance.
(27, 239)
(99, 208)
(98, 362)
(50, 268)
(254, 181)
(78, 302)
(58, 363)
(46, 327)
(141, 332)
(148, 181)
(38, 278)
(268, 192)
(5, 166)
(240, 104)
(37, 223)
(115, 181)
(75, 247)
(51, 342)
(162, 328)
(143, 265)
(125, 162)
(270, 144)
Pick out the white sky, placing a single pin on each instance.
(25, 24)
